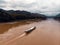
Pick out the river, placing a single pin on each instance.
(47, 32)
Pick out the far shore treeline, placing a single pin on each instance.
(16, 15)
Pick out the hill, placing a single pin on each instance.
(57, 17)
(11, 15)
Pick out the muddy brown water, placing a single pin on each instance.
(4, 27)
(46, 33)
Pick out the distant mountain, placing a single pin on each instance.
(4, 16)
(25, 15)
(11, 15)
(57, 17)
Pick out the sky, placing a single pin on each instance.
(47, 7)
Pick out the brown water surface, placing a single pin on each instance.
(46, 33)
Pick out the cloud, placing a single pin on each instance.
(48, 7)
(2, 1)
